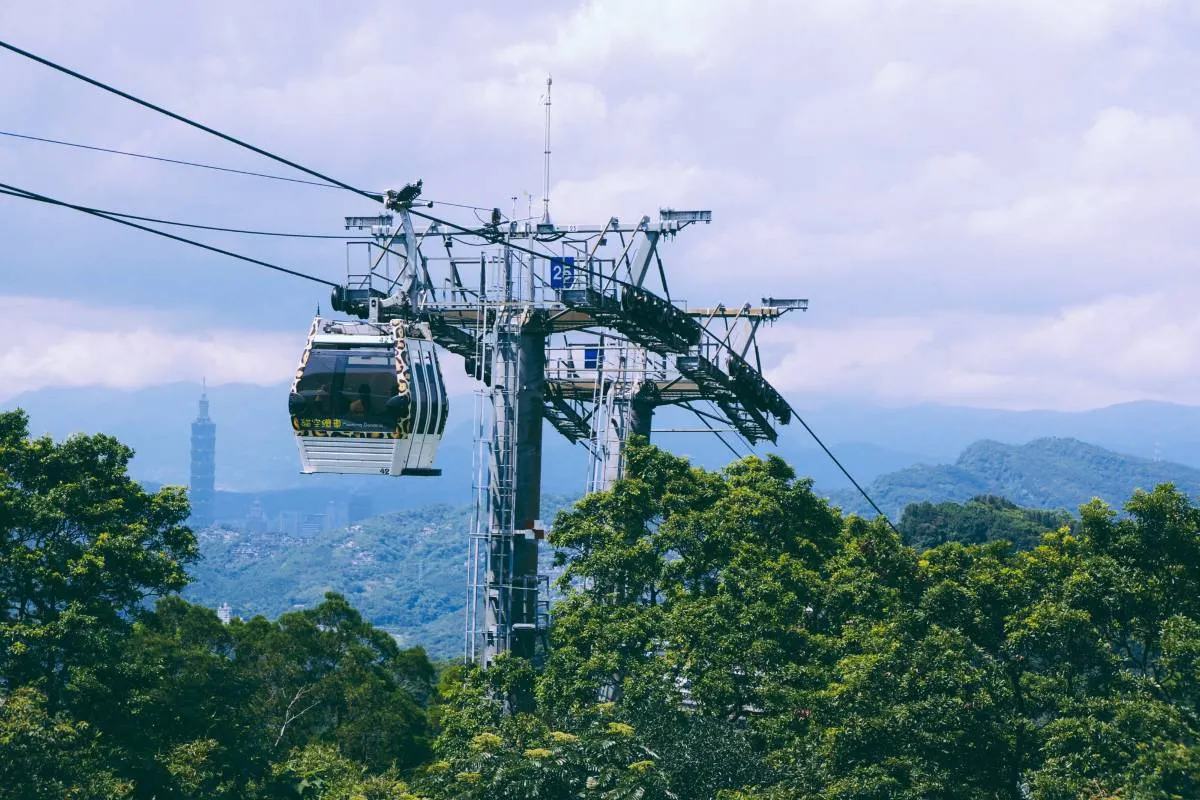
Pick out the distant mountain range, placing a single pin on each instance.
(406, 570)
(256, 453)
(1049, 473)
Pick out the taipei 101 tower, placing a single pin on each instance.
(202, 488)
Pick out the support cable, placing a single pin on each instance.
(147, 104)
(201, 165)
(218, 228)
(166, 160)
(721, 438)
(244, 231)
(845, 471)
(375, 196)
(16, 191)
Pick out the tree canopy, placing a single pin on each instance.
(721, 634)
(757, 644)
(982, 519)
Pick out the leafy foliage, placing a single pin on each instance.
(100, 696)
(721, 635)
(50, 757)
(814, 657)
(321, 772)
(81, 547)
(986, 518)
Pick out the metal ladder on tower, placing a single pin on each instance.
(501, 483)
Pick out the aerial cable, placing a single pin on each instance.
(845, 471)
(717, 433)
(495, 238)
(166, 160)
(16, 191)
(461, 205)
(147, 104)
(220, 229)
(623, 283)
(202, 165)
(377, 197)
(795, 413)
(328, 181)
(243, 231)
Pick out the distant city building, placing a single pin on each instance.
(224, 613)
(202, 487)
(256, 521)
(312, 525)
(359, 507)
(331, 516)
(289, 523)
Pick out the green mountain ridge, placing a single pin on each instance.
(1046, 473)
(982, 519)
(405, 571)
(256, 452)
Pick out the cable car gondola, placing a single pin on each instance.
(368, 399)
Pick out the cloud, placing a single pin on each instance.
(1066, 215)
(601, 30)
(128, 349)
(132, 348)
(1083, 20)
(896, 77)
(1126, 144)
(1117, 349)
(916, 169)
(626, 191)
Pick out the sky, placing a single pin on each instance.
(988, 203)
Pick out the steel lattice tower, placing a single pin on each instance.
(573, 325)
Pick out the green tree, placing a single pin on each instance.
(321, 772)
(182, 717)
(256, 709)
(723, 634)
(982, 519)
(45, 756)
(327, 676)
(520, 757)
(689, 596)
(1111, 644)
(82, 547)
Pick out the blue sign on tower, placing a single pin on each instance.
(562, 272)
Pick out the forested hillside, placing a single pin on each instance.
(1045, 473)
(722, 634)
(405, 572)
(982, 519)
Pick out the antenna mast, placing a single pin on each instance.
(546, 174)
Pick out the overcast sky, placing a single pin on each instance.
(988, 202)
